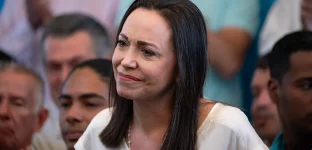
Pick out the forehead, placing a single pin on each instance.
(148, 25)
(16, 82)
(261, 76)
(78, 44)
(84, 81)
(301, 64)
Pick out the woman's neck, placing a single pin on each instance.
(151, 119)
(151, 115)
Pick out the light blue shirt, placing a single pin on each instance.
(1, 5)
(123, 7)
(219, 14)
(227, 13)
(223, 13)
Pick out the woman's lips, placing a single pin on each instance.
(128, 77)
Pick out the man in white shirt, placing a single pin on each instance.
(285, 17)
(21, 106)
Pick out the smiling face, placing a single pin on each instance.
(144, 59)
(83, 96)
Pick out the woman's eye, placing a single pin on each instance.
(121, 43)
(147, 52)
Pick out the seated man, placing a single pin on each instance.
(291, 90)
(67, 40)
(21, 111)
(84, 94)
(264, 113)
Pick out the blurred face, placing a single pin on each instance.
(144, 59)
(264, 113)
(62, 54)
(306, 14)
(18, 120)
(294, 95)
(83, 96)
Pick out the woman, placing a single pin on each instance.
(159, 67)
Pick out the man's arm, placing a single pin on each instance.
(227, 49)
(38, 12)
(228, 45)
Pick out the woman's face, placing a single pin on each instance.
(144, 59)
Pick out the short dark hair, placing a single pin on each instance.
(190, 47)
(68, 24)
(279, 58)
(100, 66)
(263, 62)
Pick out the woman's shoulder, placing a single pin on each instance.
(230, 117)
(228, 121)
(90, 138)
(101, 119)
(220, 113)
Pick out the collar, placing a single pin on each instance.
(279, 143)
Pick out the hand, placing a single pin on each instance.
(306, 14)
(38, 12)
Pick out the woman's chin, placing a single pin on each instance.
(125, 94)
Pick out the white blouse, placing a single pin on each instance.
(225, 128)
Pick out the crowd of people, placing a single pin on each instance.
(154, 74)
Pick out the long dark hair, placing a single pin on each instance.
(190, 44)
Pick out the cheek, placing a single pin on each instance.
(52, 78)
(290, 104)
(54, 81)
(293, 99)
(253, 106)
(25, 124)
(168, 71)
(62, 117)
(161, 75)
(273, 108)
(116, 59)
(21, 114)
